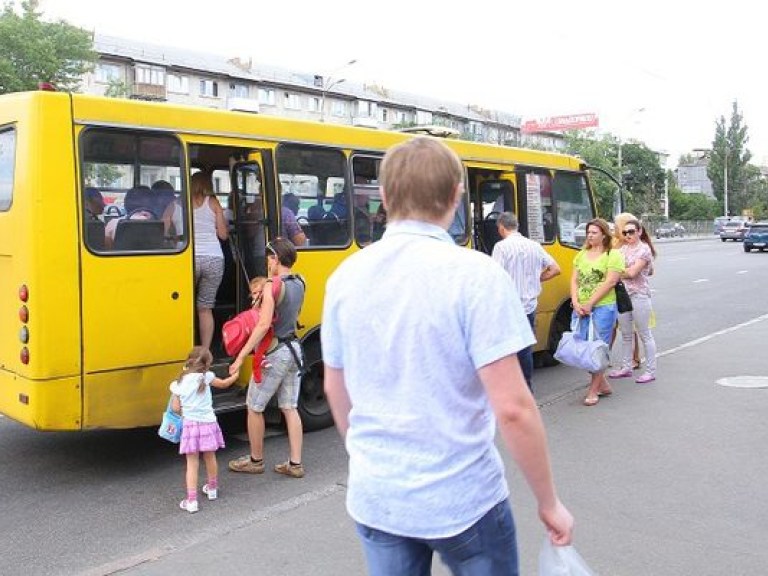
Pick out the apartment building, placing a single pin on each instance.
(155, 72)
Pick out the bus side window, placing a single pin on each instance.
(317, 176)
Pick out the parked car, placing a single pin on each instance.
(756, 237)
(733, 230)
(580, 234)
(670, 230)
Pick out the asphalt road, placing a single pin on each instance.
(664, 479)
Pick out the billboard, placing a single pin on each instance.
(560, 123)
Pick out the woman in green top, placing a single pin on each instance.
(596, 269)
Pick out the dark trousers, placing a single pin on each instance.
(525, 356)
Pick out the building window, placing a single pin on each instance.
(209, 88)
(154, 75)
(107, 73)
(292, 101)
(314, 104)
(178, 84)
(238, 90)
(423, 118)
(366, 109)
(266, 96)
(339, 108)
(384, 114)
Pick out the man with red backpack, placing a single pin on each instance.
(282, 373)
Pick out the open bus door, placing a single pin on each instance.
(494, 194)
(137, 290)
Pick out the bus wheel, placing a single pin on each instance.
(561, 323)
(313, 405)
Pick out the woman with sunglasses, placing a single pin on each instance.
(596, 269)
(639, 253)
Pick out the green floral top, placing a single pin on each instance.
(592, 273)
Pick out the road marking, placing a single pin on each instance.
(708, 337)
(701, 280)
(742, 271)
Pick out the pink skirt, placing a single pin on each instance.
(200, 437)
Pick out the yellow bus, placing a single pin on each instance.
(97, 308)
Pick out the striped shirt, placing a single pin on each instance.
(524, 260)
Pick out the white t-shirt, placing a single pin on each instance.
(410, 319)
(195, 406)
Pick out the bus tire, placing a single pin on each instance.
(560, 324)
(313, 405)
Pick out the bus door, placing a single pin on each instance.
(492, 191)
(236, 176)
(137, 297)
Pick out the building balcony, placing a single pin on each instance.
(143, 91)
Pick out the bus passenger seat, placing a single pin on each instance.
(94, 235)
(139, 235)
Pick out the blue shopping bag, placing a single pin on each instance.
(170, 427)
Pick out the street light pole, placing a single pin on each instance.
(725, 181)
(330, 83)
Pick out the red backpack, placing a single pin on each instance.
(236, 331)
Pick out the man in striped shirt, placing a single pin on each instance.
(528, 265)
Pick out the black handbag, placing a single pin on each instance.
(623, 301)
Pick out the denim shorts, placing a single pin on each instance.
(604, 318)
(281, 376)
(487, 548)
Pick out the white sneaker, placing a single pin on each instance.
(188, 505)
(212, 493)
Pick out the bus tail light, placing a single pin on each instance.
(24, 317)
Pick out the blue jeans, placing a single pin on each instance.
(487, 548)
(525, 356)
(604, 317)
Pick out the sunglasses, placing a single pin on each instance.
(629, 232)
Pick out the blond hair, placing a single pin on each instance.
(619, 221)
(419, 178)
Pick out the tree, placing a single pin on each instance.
(34, 51)
(600, 153)
(729, 154)
(643, 179)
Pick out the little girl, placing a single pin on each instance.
(200, 433)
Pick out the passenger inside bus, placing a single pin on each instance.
(210, 227)
(289, 226)
(94, 205)
(137, 202)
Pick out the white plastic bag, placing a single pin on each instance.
(561, 561)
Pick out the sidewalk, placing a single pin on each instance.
(664, 479)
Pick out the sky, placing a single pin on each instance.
(661, 72)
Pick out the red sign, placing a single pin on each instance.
(559, 123)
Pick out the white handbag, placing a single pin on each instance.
(591, 354)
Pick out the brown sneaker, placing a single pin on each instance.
(245, 464)
(288, 469)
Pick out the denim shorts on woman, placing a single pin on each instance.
(604, 318)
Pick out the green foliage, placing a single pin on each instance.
(729, 154)
(600, 153)
(35, 51)
(643, 179)
(117, 89)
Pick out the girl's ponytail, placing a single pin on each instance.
(198, 360)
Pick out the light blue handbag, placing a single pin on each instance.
(591, 354)
(170, 427)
